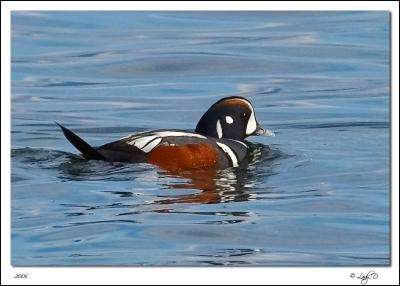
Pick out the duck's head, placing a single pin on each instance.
(232, 118)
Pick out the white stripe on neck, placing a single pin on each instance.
(219, 129)
(230, 153)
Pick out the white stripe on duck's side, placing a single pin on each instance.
(230, 153)
(140, 142)
(151, 145)
(149, 141)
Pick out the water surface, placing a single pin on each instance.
(317, 193)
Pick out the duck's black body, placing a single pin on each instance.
(218, 141)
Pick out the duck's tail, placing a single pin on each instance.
(87, 151)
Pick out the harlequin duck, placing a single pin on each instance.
(217, 142)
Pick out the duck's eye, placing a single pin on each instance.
(244, 114)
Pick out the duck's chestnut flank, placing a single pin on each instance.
(184, 157)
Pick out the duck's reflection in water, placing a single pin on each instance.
(204, 186)
(216, 186)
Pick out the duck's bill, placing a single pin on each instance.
(264, 132)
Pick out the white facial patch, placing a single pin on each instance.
(252, 123)
(219, 129)
(230, 154)
(228, 119)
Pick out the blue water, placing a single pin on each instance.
(318, 194)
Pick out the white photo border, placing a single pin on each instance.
(193, 275)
